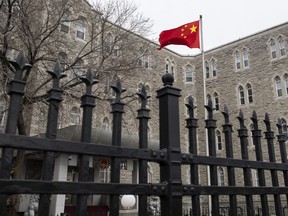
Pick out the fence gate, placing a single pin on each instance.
(171, 190)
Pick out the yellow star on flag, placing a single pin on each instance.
(193, 29)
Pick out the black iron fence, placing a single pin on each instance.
(171, 190)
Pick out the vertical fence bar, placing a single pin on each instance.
(282, 137)
(211, 125)
(16, 92)
(55, 97)
(269, 136)
(143, 116)
(191, 124)
(256, 135)
(242, 134)
(170, 171)
(227, 129)
(117, 110)
(88, 103)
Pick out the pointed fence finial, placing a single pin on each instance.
(267, 122)
(254, 119)
(19, 65)
(190, 106)
(89, 81)
(56, 74)
(226, 114)
(209, 108)
(143, 97)
(241, 119)
(118, 90)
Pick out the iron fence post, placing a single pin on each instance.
(143, 116)
(117, 110)
(170, 171)
(55, 98)
(88, 103)
(16, 92)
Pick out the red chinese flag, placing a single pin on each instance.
(187, 35)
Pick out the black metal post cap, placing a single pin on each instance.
(168, 79)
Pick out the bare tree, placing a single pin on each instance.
(105, 37)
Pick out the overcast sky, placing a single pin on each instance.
(223, 20)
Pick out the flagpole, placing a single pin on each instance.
(205, 112)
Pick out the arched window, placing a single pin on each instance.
(237, 60)
(80, 28)
(221, 180)
(241, 95)
(249, 93)
(282, 46)
(245, 58)
(208, 97)
(218, 140)
(207, 69)
(62, 57)
(148, 93)
(214, 68)
(108, 43)
(216, 101)
(172, 67)
(78, 68)
(75, 116)
(251, 127)
(286, 82)
(284, 126)
(65, 22)
(105, 125)
(167, 65)
(145, 60)
(278, 86)
(273, 48)
(188, 74)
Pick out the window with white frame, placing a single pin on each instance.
(283, 125)
(249, 93)
(221, 178)
(108, 43)
(80, 28)
(278, 84)
(65, 22)
(218, 140)
(282, 46)
(241, 95)
(251, 127)
(172, 67)
(207, 69)
(237, 60)
(286, 82)
(214, 68)
(145, 61)
(62, 57)
(208, 97)
(105, 124)
(273, 48)
(78, 68)
(75, 116)
(245, 58)
(216, 101)
(188, 73)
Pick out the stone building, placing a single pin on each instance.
(247, 74)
